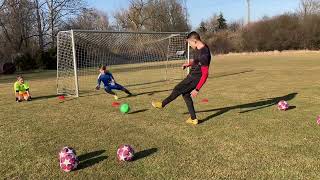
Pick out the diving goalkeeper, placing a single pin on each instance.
(109, 83)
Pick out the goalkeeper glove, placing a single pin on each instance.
(98, 87)
(184, 66)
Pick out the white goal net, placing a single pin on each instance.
(134, 58)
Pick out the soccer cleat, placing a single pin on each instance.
(115, 97)
(194, 122)
(157, 104)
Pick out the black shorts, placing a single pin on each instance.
(187, 85)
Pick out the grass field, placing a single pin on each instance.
(242, 135)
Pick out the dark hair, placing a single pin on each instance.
(19, 77)
(194, 35)
(103, 67)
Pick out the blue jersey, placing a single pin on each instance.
(106, 78)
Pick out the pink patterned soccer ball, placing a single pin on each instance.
(283, 105)
(318, 120)
(69, 162)
(125, 153)
(65, 151)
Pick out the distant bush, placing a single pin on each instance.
(26, 62)
(223, 42)
(8, 68)
(279, 33)
(311, 32)
(48, 59)
(284, 32)
(45, 60)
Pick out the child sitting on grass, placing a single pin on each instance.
(109, 83)
(22, 90)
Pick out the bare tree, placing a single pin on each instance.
(40, 18)
(308, 7)
(16, 22)
(236, 25)
(135, 18)
(154, 15)
(90, 19)
(57, 11)
(212, 23)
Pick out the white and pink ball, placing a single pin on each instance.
(68, 159)
(69, 162)
(283, 106)
(65, 151)
(318, 120)
(125, 153)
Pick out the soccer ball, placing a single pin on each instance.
(69, 162)
(68, 159)
(124, 108)
(283, 105)
(125, 153)
(318, 120)
(65, 151)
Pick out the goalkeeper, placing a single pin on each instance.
(22, 90)
(191, 85)
(109, 83)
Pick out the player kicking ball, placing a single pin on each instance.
(191, 85)
(21, 89)
(109, 83)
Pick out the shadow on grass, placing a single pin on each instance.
(255, 106)
(232, 74)
(90, 159)
(138, 111)
(150, 93)
(291, 107)
(90, 94)
(147, 83)
(172, 81)
(161, 81)
(144, 153)
(68, 99)
(44, 97)
(156, 85)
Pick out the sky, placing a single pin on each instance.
(233, 10)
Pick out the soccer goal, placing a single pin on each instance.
(135, 58)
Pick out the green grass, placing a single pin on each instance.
(243, 136)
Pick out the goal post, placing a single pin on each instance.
(135, 58)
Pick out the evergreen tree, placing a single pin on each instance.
(202, 28)
(222, 22)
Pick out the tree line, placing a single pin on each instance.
(289, 31)
(28, 28)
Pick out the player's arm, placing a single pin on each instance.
(16, 91)
(185, 65)
(99, 82)
(27, 87)
(204, 77)
(204, 59)
(112, 78)
(17, 96)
